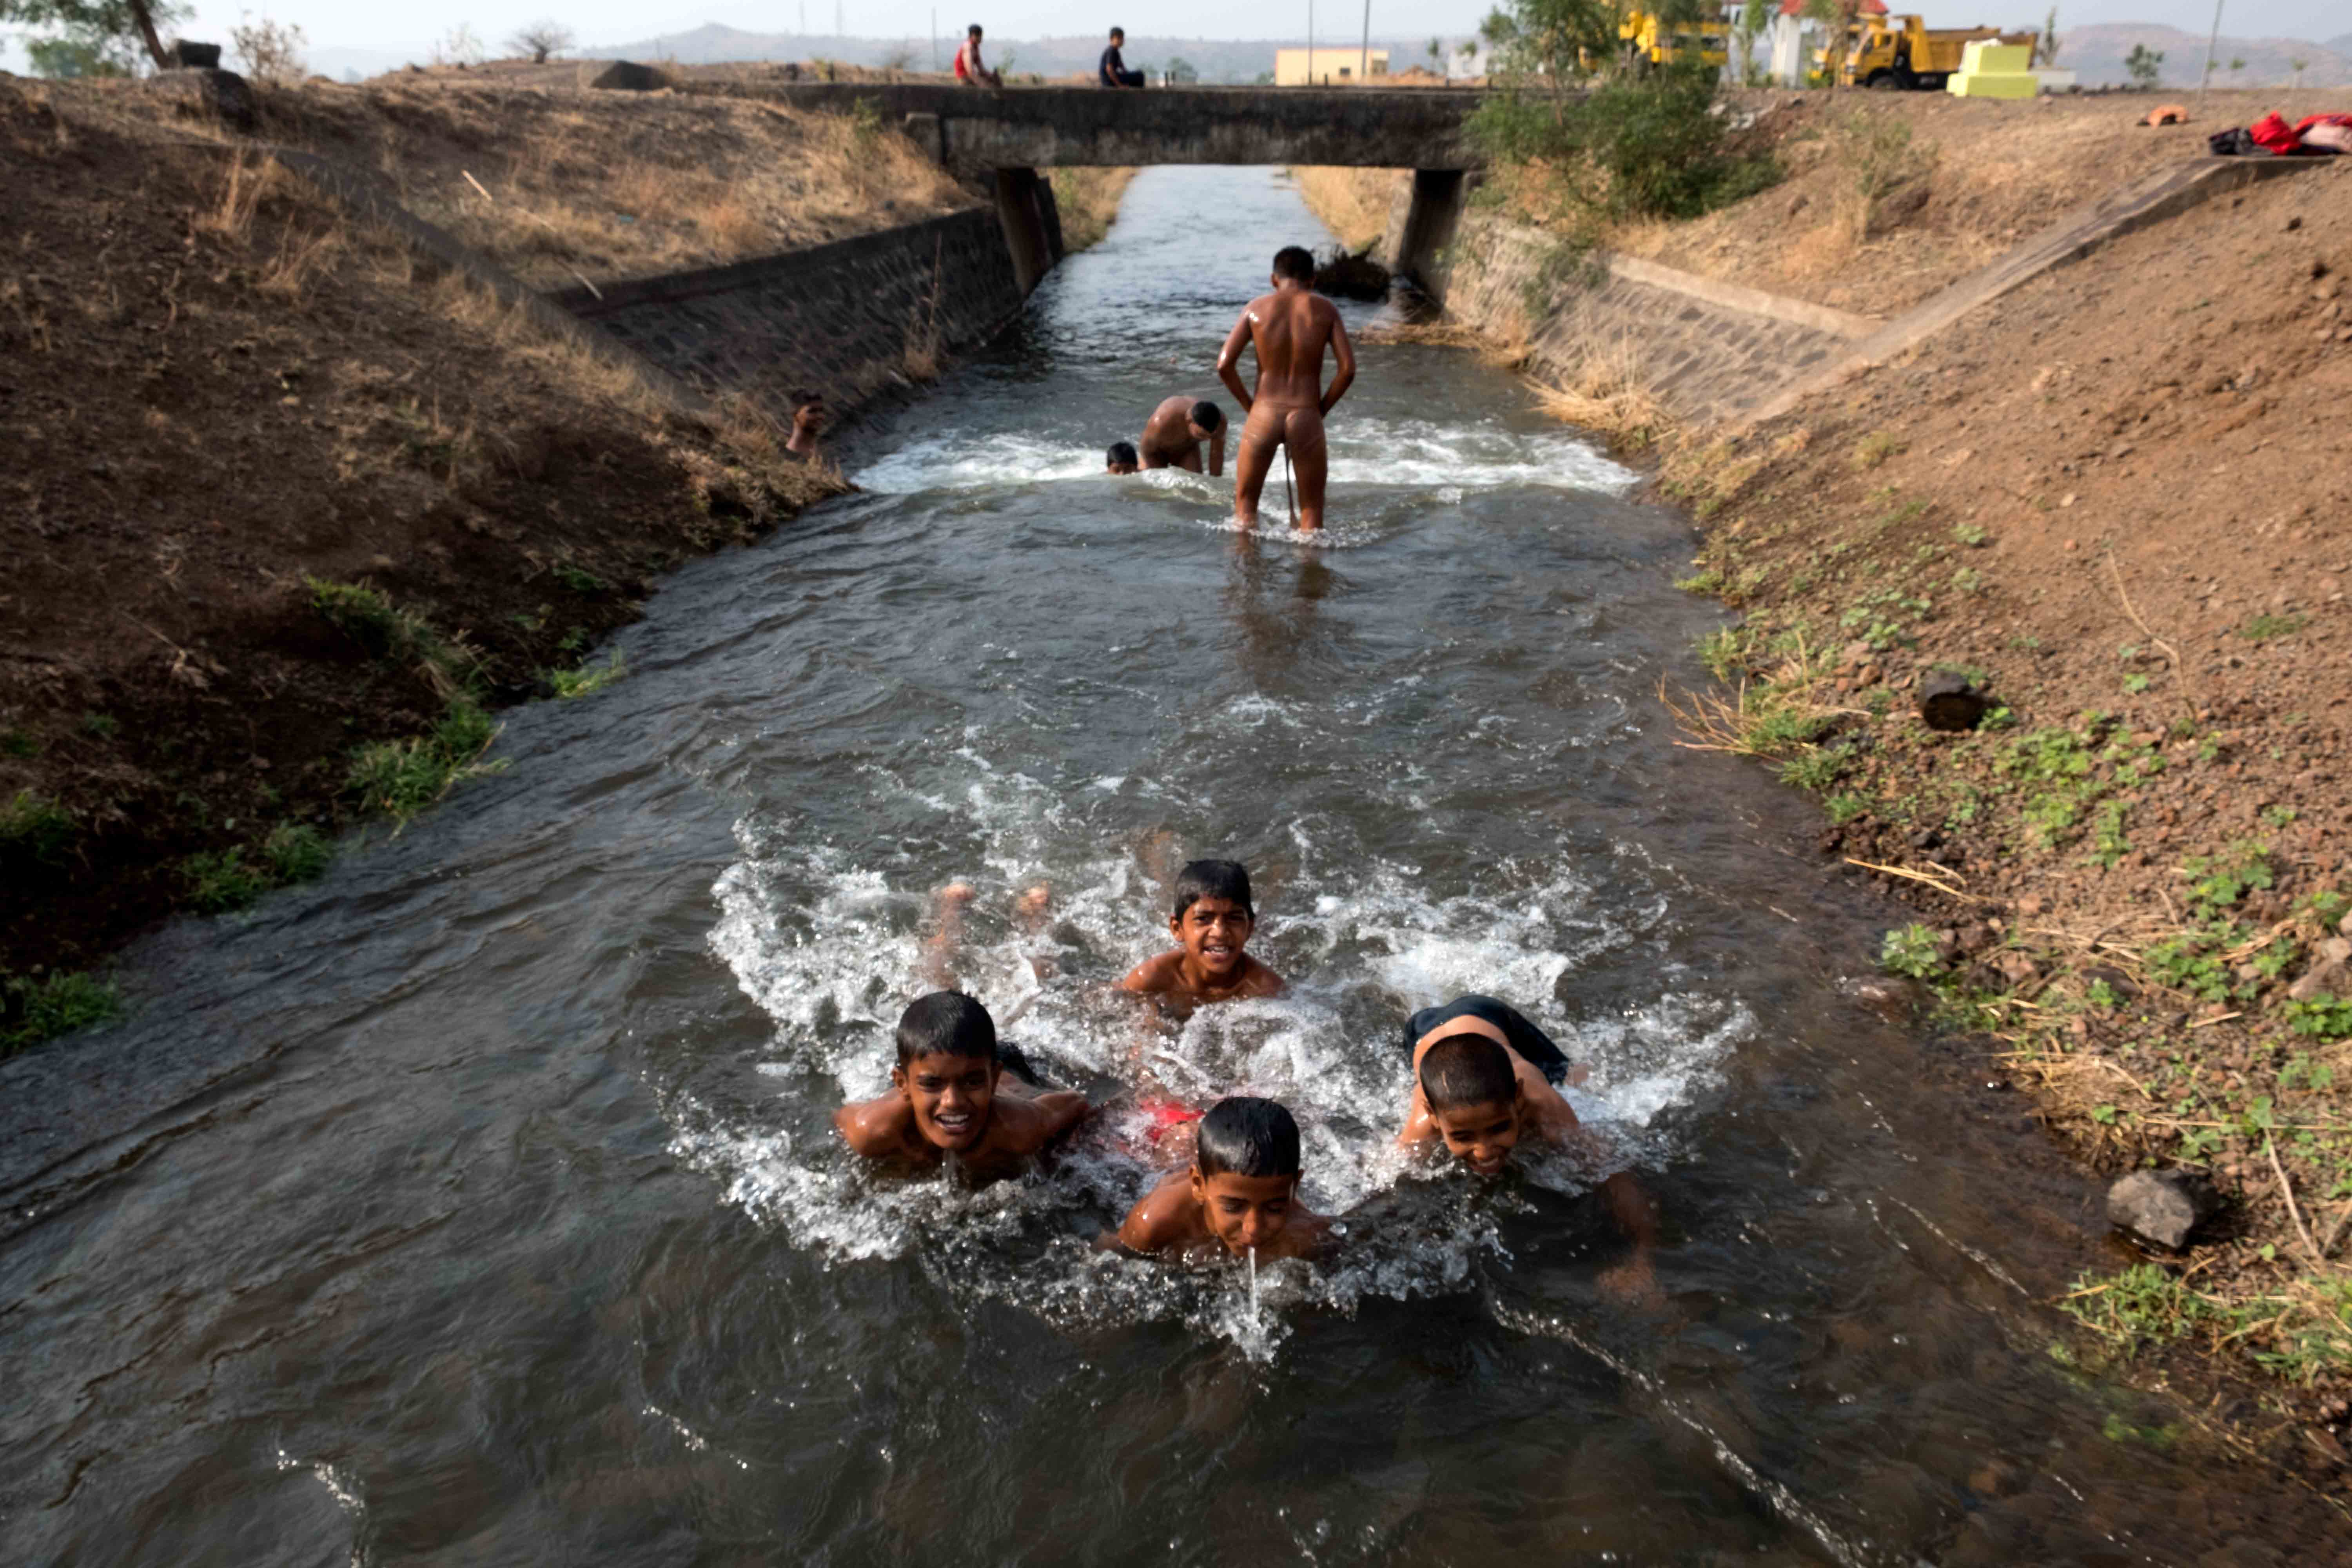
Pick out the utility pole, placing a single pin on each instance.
(1364, 59)
(838, 30)
(2211, 39)
(1310, 43)
(935, 39)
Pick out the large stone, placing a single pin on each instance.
(2326, 979)
(2162, 1208)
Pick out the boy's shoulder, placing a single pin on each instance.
(1158, 972)
(877, 1129)
(1164, 1218)
(1257, 979)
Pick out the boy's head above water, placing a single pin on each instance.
(947, 1068)
(1473, 1093)
(1121, 459)
(1213, 917)
(1294, 264)
(1246, 1171)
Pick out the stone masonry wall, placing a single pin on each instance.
(1708, 352)
(846, 319)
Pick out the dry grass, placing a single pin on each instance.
(1605, 392)
(1088, 201)
(1352, 203)
(567, 187)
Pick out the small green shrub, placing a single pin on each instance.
(1910, 950)
(589, 678)
(1814, 770)
(219, 880)
(2266, 626)
(2327, 1019)
(32, 1011)
(402, 778)
(36, 825)
(1876, 449)
(580, 581)
(296, 852)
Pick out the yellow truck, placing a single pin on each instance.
(1904, 52)
(1648, 39)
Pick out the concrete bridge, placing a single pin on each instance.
(1008, 136)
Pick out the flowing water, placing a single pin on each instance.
(478, 1204)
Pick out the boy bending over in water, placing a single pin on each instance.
(1213, 922)
(1290, 328)
(1482, 1080)
(943, 1098)
(1241, 1192)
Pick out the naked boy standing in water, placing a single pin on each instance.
(1289, 328)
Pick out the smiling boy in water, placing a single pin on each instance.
(1212, 924)
(1482, 1080)
(944, 1102)
(1240, 1194)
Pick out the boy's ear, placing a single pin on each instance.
(898, 1079)
(1176, 927)
(1200, 1184)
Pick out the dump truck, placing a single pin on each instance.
(1648, 39)
(1905, 53)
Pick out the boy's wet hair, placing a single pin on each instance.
(1118, 31)
(1120, 452)
(1467, 1069)
(946, 1023)
(1207, 415)
(1295, 261)
(1246, 1136)
(972, 31)
(1228, 879)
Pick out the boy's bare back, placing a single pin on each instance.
(1290, 330)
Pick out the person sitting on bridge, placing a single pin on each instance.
(1290, 328)
(1113, 71)
(1121, 459)
(1172, 435)
(968, 68)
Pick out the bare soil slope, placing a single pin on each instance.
(2120, 501)
(560, 182)
(214, 394)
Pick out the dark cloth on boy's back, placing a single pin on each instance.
(1113, 71)
(1532, 1044)
(1014, 1060)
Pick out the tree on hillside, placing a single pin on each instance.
(2141, 65)
(270, 52)
(540, 41)
(2045, 51)
(1438, 53)
(1843, 16)
(1181, 70)
(1748, 24)
(2296, 66)
(96, 37)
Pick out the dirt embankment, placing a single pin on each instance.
(283, 517)
(2118, 501)
(563, 185)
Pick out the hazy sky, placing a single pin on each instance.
(338, 24)
(410, 28)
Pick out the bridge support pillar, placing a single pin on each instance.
(1429, 222)
(1033, 224)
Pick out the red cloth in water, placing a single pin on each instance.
(1166, 1115)
(2273, 132)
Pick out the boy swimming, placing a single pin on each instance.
(1119, 457)
(944, 1102)
(1213, 922)
(1240, 1194)
(1173, 434)
(1483, 1079)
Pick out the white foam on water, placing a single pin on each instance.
(833, 951)
(1447, 458)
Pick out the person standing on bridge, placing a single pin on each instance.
(1290, 328)
(968, 68)
(1113, 71)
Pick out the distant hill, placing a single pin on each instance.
(1216, 61)
(2096, 53)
